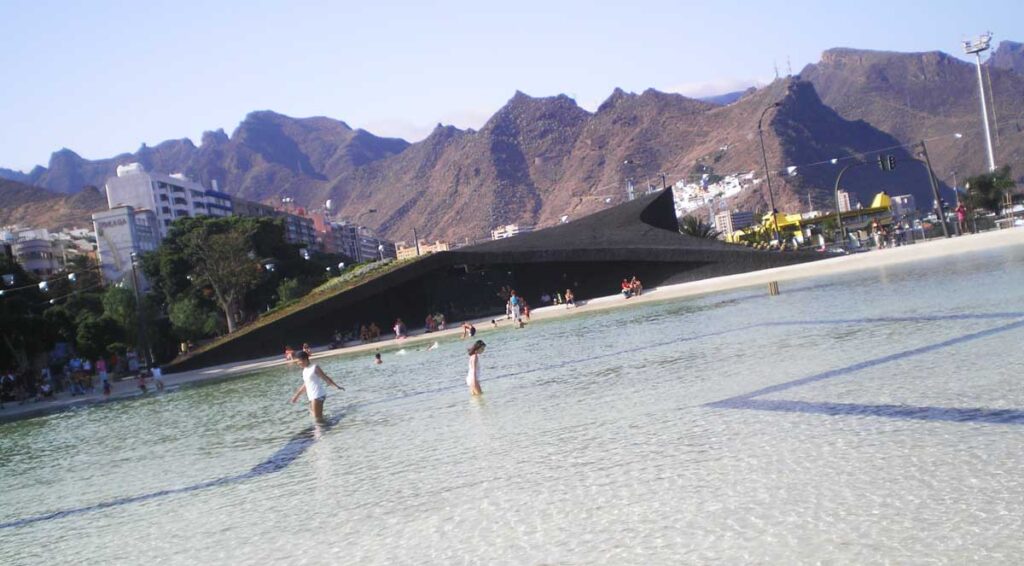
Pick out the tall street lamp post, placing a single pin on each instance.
(767, 174)
(976, 48)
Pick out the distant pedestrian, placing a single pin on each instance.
(570, 299)
(961, 218)
(313, 379)
(474, 374)
(516, 304)
(101, 370)
(399, 329)
(158, 378)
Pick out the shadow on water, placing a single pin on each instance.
(279, 460)
(749, 401)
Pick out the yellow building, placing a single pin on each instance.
(406, 252)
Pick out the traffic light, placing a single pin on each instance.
(886, 162)
(892, 162)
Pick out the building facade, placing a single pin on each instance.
(120, 233)
(170, 197)
(298, 230)
(509, 230)
(847, 201)
(403, 251)
(728, 222)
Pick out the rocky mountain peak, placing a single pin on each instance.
(1008, 55)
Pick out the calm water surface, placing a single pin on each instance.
(864, 418)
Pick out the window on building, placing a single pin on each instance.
(164, 198)
(181, 201)
(166, 210)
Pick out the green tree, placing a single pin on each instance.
(226, 262)
(190, 320)
(119, 305)
(22, 329)
(96, 334)
(288, 291)
(693, 226)
(988, 191)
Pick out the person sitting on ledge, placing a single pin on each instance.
(636, 287)
(627, 289)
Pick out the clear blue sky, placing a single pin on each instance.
(103, 77)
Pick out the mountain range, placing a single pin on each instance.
(538, 159)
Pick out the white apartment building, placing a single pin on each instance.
(847, 202)
(509, 230)
(120, 232)
(169, 196)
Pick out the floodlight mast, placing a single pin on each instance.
(976, 48)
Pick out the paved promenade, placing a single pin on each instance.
(832, 266)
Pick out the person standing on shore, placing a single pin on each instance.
(515, 304)
(313, 379)
(158, 378)
(473, 376)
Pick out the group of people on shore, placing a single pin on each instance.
(79, 376)
(435, 322)
(632, 287)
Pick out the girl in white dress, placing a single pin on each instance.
(473, 377)
(313, 379)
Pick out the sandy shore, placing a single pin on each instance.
(839, 264)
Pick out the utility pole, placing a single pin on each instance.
(416, 239)
(142, 344)
(935, 189)
(976, 48)
(767, 174)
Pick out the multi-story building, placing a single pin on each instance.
(728, 222)
(35, 255)
(403, 251)
(169, 196)
(509, 230)
(298, 229)
(847, 201)
(120, 233)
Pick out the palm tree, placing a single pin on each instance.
(692, 226)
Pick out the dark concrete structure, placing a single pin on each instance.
(591, 255)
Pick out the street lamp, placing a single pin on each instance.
(976, 48)
(138, 311)
(767, 174)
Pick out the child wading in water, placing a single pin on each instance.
(313, 379)
(473, 377)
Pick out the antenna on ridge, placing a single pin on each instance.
(789, 67)
(776, 64)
